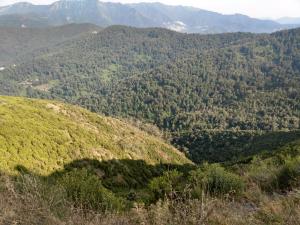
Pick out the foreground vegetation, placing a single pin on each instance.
(31, 208)
(264, 191)
(61, 164)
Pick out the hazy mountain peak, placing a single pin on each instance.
(289, 20)
(178, 18)
(22, 4)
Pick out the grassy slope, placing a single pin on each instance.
(43, 136)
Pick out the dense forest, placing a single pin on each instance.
(17, 42)
(230, 85)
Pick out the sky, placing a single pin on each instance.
(271, 9)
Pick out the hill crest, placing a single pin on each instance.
(43, 136)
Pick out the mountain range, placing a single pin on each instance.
(178, 18)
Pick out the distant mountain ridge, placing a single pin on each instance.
(289, 20)
(178, 18)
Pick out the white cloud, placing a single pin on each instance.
(254, 8)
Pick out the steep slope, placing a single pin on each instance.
(179, 18)
(18, 42)
(43, 136)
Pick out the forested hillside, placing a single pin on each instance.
(16, 43)
(185, 84)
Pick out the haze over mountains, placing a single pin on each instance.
(178, 18)
(289, 20)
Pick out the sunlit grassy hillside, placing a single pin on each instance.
(43, 136)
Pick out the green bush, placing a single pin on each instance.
(168, 184)
(289, 175)
(86, 191)
(215, 180)
(264, 172)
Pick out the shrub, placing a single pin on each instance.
(166, 185)
(215, 180)
(86, 191)
(264, 173)
(289, 175)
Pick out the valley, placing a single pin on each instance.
(242, 84)
(146, 113)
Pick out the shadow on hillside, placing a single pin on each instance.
(116, 174)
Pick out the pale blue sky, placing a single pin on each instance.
(255, 8)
